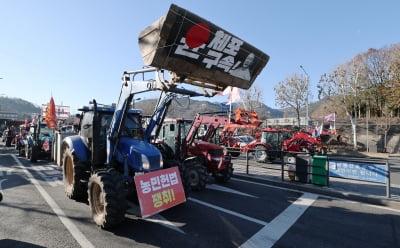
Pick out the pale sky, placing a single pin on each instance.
(77, 50)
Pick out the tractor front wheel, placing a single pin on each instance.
(107, 198)
(197, 173)
(224, 175)
(183, 171)
(33, 154)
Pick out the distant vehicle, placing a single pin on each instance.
(21, 139)
(268, 144)
(244, 140)
(9, 136)
(273, 142)
(68, 129)
(40, 141)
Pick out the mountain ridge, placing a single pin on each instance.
(179, 108)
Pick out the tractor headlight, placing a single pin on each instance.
(145, 162)
(161, 161)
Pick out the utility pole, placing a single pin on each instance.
(307, 86)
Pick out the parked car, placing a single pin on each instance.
(244, 140)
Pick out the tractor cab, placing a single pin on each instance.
(275, 137)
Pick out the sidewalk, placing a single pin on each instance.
(361, 191)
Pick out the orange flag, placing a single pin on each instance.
(51, 118)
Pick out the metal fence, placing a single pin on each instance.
(364, 175)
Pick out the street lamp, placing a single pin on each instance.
(307, 85)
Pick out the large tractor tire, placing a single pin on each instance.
(224, 175)
(75, 176)
(107, 198)
(261, 154)
(34, 153)
(197, 173)
(169, 161)
(183, 171)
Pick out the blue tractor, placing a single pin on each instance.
(113, 145)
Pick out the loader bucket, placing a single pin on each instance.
(199, 52)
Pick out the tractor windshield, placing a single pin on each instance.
(185, 128)
(45, 131)
(133, 127)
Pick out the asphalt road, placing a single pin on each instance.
(36, 213)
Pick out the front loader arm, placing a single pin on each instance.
(130, 88)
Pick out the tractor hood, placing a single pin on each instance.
(143, 156)
(204, 145)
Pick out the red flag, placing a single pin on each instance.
(51, 118)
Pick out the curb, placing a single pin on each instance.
(324, 191)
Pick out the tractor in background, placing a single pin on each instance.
(271, 143)
(38, 143)
(188, 140)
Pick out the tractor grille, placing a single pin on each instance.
(216, 153)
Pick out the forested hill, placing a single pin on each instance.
(20, 106)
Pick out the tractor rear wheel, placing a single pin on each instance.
(107, 198)
(21, 151)
(197, 173)
(75, 176)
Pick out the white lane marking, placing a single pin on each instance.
(162, 221)
(272, 232)
(225, 189)
(6, 172)
(157, 218)
(53, 181)
(265, 185)
(78, 235)
(229, 212)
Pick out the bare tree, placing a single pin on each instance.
(252, 98)
(292, 93)
(343, 84)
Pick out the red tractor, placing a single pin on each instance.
(188, 140)
(268, 144)
(272, 142)
(304, 142)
